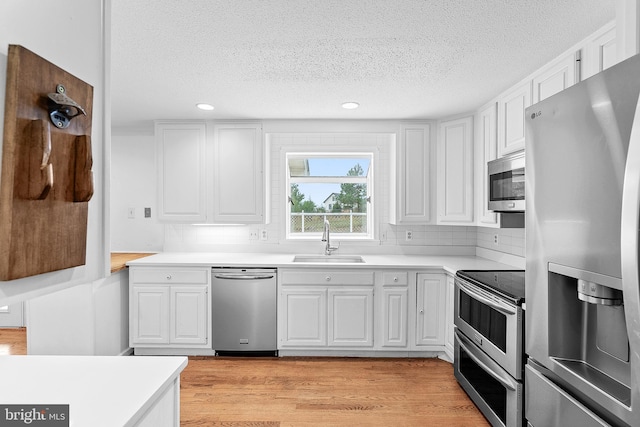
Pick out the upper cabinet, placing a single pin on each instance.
(210, 173)
(238, 170)
(601, 51)
(181, 171)
(412, 181)
(511, 108)
(455, 172)
(556, 77)
(486, 148)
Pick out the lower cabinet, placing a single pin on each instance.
(330, 309)
(321, 317)
(393, 311)
(170, 314)
(430, 311)
(401, 311)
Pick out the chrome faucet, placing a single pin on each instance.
(326, 238)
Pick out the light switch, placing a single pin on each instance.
(131, 213)
(147, 212)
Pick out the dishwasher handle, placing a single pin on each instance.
(243, 276)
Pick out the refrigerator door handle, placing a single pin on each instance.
(630, 222)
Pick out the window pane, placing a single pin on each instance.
(328, 166)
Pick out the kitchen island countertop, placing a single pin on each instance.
(100, 390)
(450, 263)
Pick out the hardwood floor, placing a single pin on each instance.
(284, 392)
(323, 392)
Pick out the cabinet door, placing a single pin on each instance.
(455, 172)
(486, 150)
(555, 78)
(149, 315)
(188, 314)
(394, 317)
(303, 317)
(181, 168)
(511, 119)
(601, 51)
(431, 308)
(411, 183)
(238, 173)
(350, 317)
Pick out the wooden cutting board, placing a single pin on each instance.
(43, 201)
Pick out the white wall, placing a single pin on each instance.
(79, 310)
(68, 33)
(134, 185)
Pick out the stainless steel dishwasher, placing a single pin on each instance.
(244, 311)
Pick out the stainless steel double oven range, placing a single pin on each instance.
(489, 342)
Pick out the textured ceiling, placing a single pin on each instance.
(300, 59)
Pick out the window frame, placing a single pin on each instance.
(328, 152)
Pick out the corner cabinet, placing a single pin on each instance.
(169, 308)
(239, 181)
(455, 172)
(412, 162)
(431, 302)
(181, 158)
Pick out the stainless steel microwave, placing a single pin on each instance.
(506, 183)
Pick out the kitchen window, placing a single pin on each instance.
(337, 187)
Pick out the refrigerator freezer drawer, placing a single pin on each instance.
(552, 406)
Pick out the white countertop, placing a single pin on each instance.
(450, 263)
(100, 390)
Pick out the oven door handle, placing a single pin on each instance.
(490, 302)
(502, 378)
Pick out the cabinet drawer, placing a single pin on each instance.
(168, 275)
(395, 278)
(327, 277)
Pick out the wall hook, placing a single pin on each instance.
(62, 108)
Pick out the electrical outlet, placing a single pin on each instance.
(495, 240)
(131, 213)
(408, 235)
(253, 234)
(263, 234)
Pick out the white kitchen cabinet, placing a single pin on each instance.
(392, 297)
(350, 316)
(169, 308)
(431, 301)
(149, 309)
(455, 172)
(601, 51)
(238, 169)
(557, 76)
(325, 309)
(412, 175)
(180, 148)
(511, 128)
(486, 150)
(188, 314)
(302, 313)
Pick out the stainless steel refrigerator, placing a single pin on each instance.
(582, 219)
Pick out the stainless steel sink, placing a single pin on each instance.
(329, 259)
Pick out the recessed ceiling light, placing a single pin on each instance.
(205, 107)
(350, 105)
